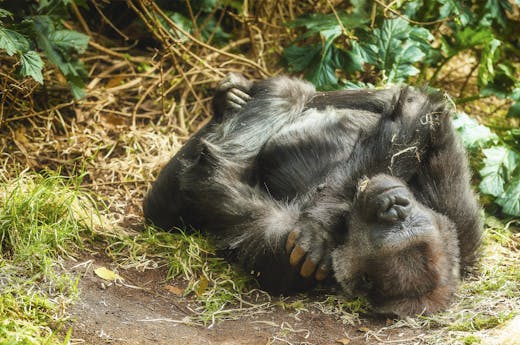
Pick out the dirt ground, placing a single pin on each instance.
(142, 311)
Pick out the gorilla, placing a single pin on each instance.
(366, 188)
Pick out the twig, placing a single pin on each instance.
(397, 13)
(205, 45)
(109, 22)
(80, 18)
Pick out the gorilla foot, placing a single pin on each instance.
(236, 87)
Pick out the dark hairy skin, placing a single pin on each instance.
(368, 188)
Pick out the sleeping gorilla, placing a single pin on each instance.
(372, 185)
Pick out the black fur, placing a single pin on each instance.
(373, 185)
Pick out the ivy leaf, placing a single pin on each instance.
(499, 164)
(495, 10)
(465, 39)
(514, 111)
(32, 66)
(299, 58)
(457, 9)
(68, 40)
(486, 69)
(510, 199)
(395, 47)
(472, 134)
(5, 14)
(13, 42)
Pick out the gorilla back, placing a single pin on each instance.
(371, 186)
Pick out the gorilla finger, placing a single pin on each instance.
(236, 97)
(244, 96)
(323, 269)
(225, 85)
(296, 255)
(291, 239)
(308, 268)
(234, 105)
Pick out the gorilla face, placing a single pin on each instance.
(398, 253)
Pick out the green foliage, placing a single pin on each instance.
(26, 28)
(41, 219)
(500, 166)
(333, 49)
(205, 25)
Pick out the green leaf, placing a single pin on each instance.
(319, 22)
(472, 134)
(488, 58)
(299, 58)
(323, 72)
(466, 39)
(73, 69)
(356, 59)
(13, 42)
(68, 40)
(395, 47)
(458, 9)
(32, 66)
(492, 184)
(514, 111)
(510, 199)
(5, 14)
(495, 11)
(499, 164)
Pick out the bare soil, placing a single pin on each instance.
(143, 311)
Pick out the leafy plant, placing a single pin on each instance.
(353, 45)
(500, 167)
(26, 29)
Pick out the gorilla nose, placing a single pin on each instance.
(386, 199)
(393, 205)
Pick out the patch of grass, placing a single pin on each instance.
(348, 310)
(42, 218)
(209, 279)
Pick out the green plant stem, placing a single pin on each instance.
(469, 99)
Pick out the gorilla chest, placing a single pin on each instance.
(299, 157)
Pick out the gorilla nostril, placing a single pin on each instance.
(402, 200)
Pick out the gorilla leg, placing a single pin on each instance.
(163, 205)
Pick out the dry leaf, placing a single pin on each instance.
(19, 135)
(174, 290)
(363, 329)
(116, 81)
(106, 274)
(202, 287)
(343, 341)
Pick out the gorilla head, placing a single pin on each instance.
(401, 255)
